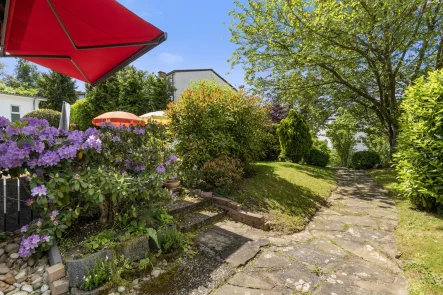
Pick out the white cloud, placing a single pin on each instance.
(170, 59)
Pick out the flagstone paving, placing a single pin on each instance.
(348, 248)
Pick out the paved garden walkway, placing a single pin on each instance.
(348, 248)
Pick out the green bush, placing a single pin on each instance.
(317, 157)
(221, 173)
(82, 114)
(271, 145)
(295, 137)
(419, 159)
(171, 240)
(53, 117)
(364, 160)
(212, 120)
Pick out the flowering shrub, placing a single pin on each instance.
(222, 173)
(68, 171)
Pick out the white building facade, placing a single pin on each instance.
(182, 79)
(15, 106)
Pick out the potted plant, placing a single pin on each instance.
(170, 169)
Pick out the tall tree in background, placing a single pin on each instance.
(25, 75)
(56, 88)
(355, 51)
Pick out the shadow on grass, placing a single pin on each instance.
(291, 205)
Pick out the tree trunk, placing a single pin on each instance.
(104, 212)
(392, 135)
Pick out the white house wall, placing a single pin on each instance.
(182, 80)
(25, 103)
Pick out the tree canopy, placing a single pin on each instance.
(353, 52)
(56, 88)
(25, 75)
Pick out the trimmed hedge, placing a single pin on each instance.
(365, 160)
(419, 160)
(52, 116)
(82, 114)
(317, 157)
(295, 137)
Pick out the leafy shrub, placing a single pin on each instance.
(53, 117)
(171, 240)
(221, 173)
(104, 239)
(82, 114)
(364, 160)
(108, 270)
(295, 137)
(271, 144)
(419, 159)
(317, 157)
(212, 120)
(342, 135)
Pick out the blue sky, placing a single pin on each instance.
(197, 37)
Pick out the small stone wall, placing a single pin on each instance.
(233, 209)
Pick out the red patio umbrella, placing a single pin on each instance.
(117, 119)
(85, 39)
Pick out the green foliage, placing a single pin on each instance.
(419, 159)
(104, 239)
(271, 145)
(370, 50)
(342, 135)
(56, 88)
(108, 270)
(139, 229)
(221, 173)
(162, 217)
(53, 117)
(212, 120)
(172, 240)
(82, 114)
(19, 90)
(364, 160)
(317, 157)
(295, 137)
(25, 76)
(379, 143)
(130, 90)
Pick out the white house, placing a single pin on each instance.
(15, 106)
(359, 146)
(182, 79)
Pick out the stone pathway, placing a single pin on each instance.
(348, 248)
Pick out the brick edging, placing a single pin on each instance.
(233, 209)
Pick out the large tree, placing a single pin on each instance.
(354, 51)
(25, 75)
(56, 88)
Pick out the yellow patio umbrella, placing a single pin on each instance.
(159, 116)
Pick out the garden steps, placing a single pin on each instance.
(186, 205)
(198, 219)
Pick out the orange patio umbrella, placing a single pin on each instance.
(117, 119)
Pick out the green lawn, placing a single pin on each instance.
(420, 240)
(288, 193)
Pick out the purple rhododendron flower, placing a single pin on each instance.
(53, 214)
(48, 158)
(139, 167)
(29, 130)
(168, 162)
(128, 164)
(55, 222)
(91, 132)
(67, 152)
(116, 138)
(39, 146)
(173, 158)
(160, 169)
(3, 121)
(45, 238)
(76, 176)
(93, 142)
(39, 191)
(139, 130)
(24, 228)
(76, 137)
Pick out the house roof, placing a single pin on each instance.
(202, 70)
(22, 95)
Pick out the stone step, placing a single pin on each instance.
(201, 218)
(186, 206)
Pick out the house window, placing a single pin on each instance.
(15, 113)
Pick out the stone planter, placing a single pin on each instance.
(99, 291)
(171, 184)
(133, 250)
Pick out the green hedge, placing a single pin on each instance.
(52, 116)
(317, 157)
(295, 137)
(364, 160)
(82, 114)
(419, 159)
(271, 145)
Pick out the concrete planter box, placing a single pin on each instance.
(133, 250)
(98, 291)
